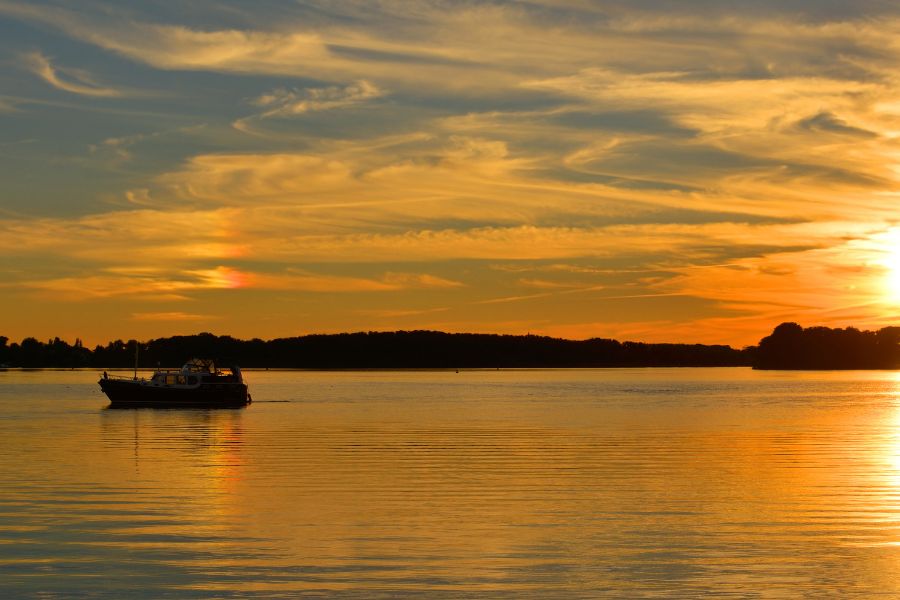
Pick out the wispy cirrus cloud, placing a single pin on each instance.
(299, 280)
(148, 283)
(285, 236)
(172, 316)
(283, 102)
(8, 106)
(178, 283)
(75, 81)
(177, 46)
(391, 314)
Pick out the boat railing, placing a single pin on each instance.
(234, 373)
(121, 377)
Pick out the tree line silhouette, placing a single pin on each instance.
(790, 346)
(372, 350)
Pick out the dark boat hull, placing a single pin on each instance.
(135, 394)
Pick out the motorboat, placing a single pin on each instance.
(199, 383)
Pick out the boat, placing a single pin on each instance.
(197, 384)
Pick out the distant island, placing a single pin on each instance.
(789, 346)
(373, 350)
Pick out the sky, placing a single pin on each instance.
(661, 171)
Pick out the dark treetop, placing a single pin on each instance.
(792, 347)
(373, 350)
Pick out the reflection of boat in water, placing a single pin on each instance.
(197, 384)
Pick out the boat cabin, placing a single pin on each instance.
(195, 372)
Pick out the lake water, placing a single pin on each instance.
(479, 484)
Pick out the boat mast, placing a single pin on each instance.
(136, 347)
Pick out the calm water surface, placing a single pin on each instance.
(543, 484)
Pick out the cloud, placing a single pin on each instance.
(545, 284)
(119, 148)
(696, 242)
(295, 280)
(172, 316)
(420, 280)
(142, 237)
(472, 48)
(459, 177)
(829, 123)
(75, 81)
(506, 299)
(300, 53)
(147, 283)
(234, 178)
(177, 282)
(282, 102)
(177, 46)
(8, 105)
(401, 313)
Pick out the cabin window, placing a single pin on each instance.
(171, 379)
(192, 380)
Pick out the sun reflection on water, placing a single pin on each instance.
(892, 445)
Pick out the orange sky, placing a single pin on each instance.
(646, 170)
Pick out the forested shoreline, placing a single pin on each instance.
(789, 346)
(371, 350)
